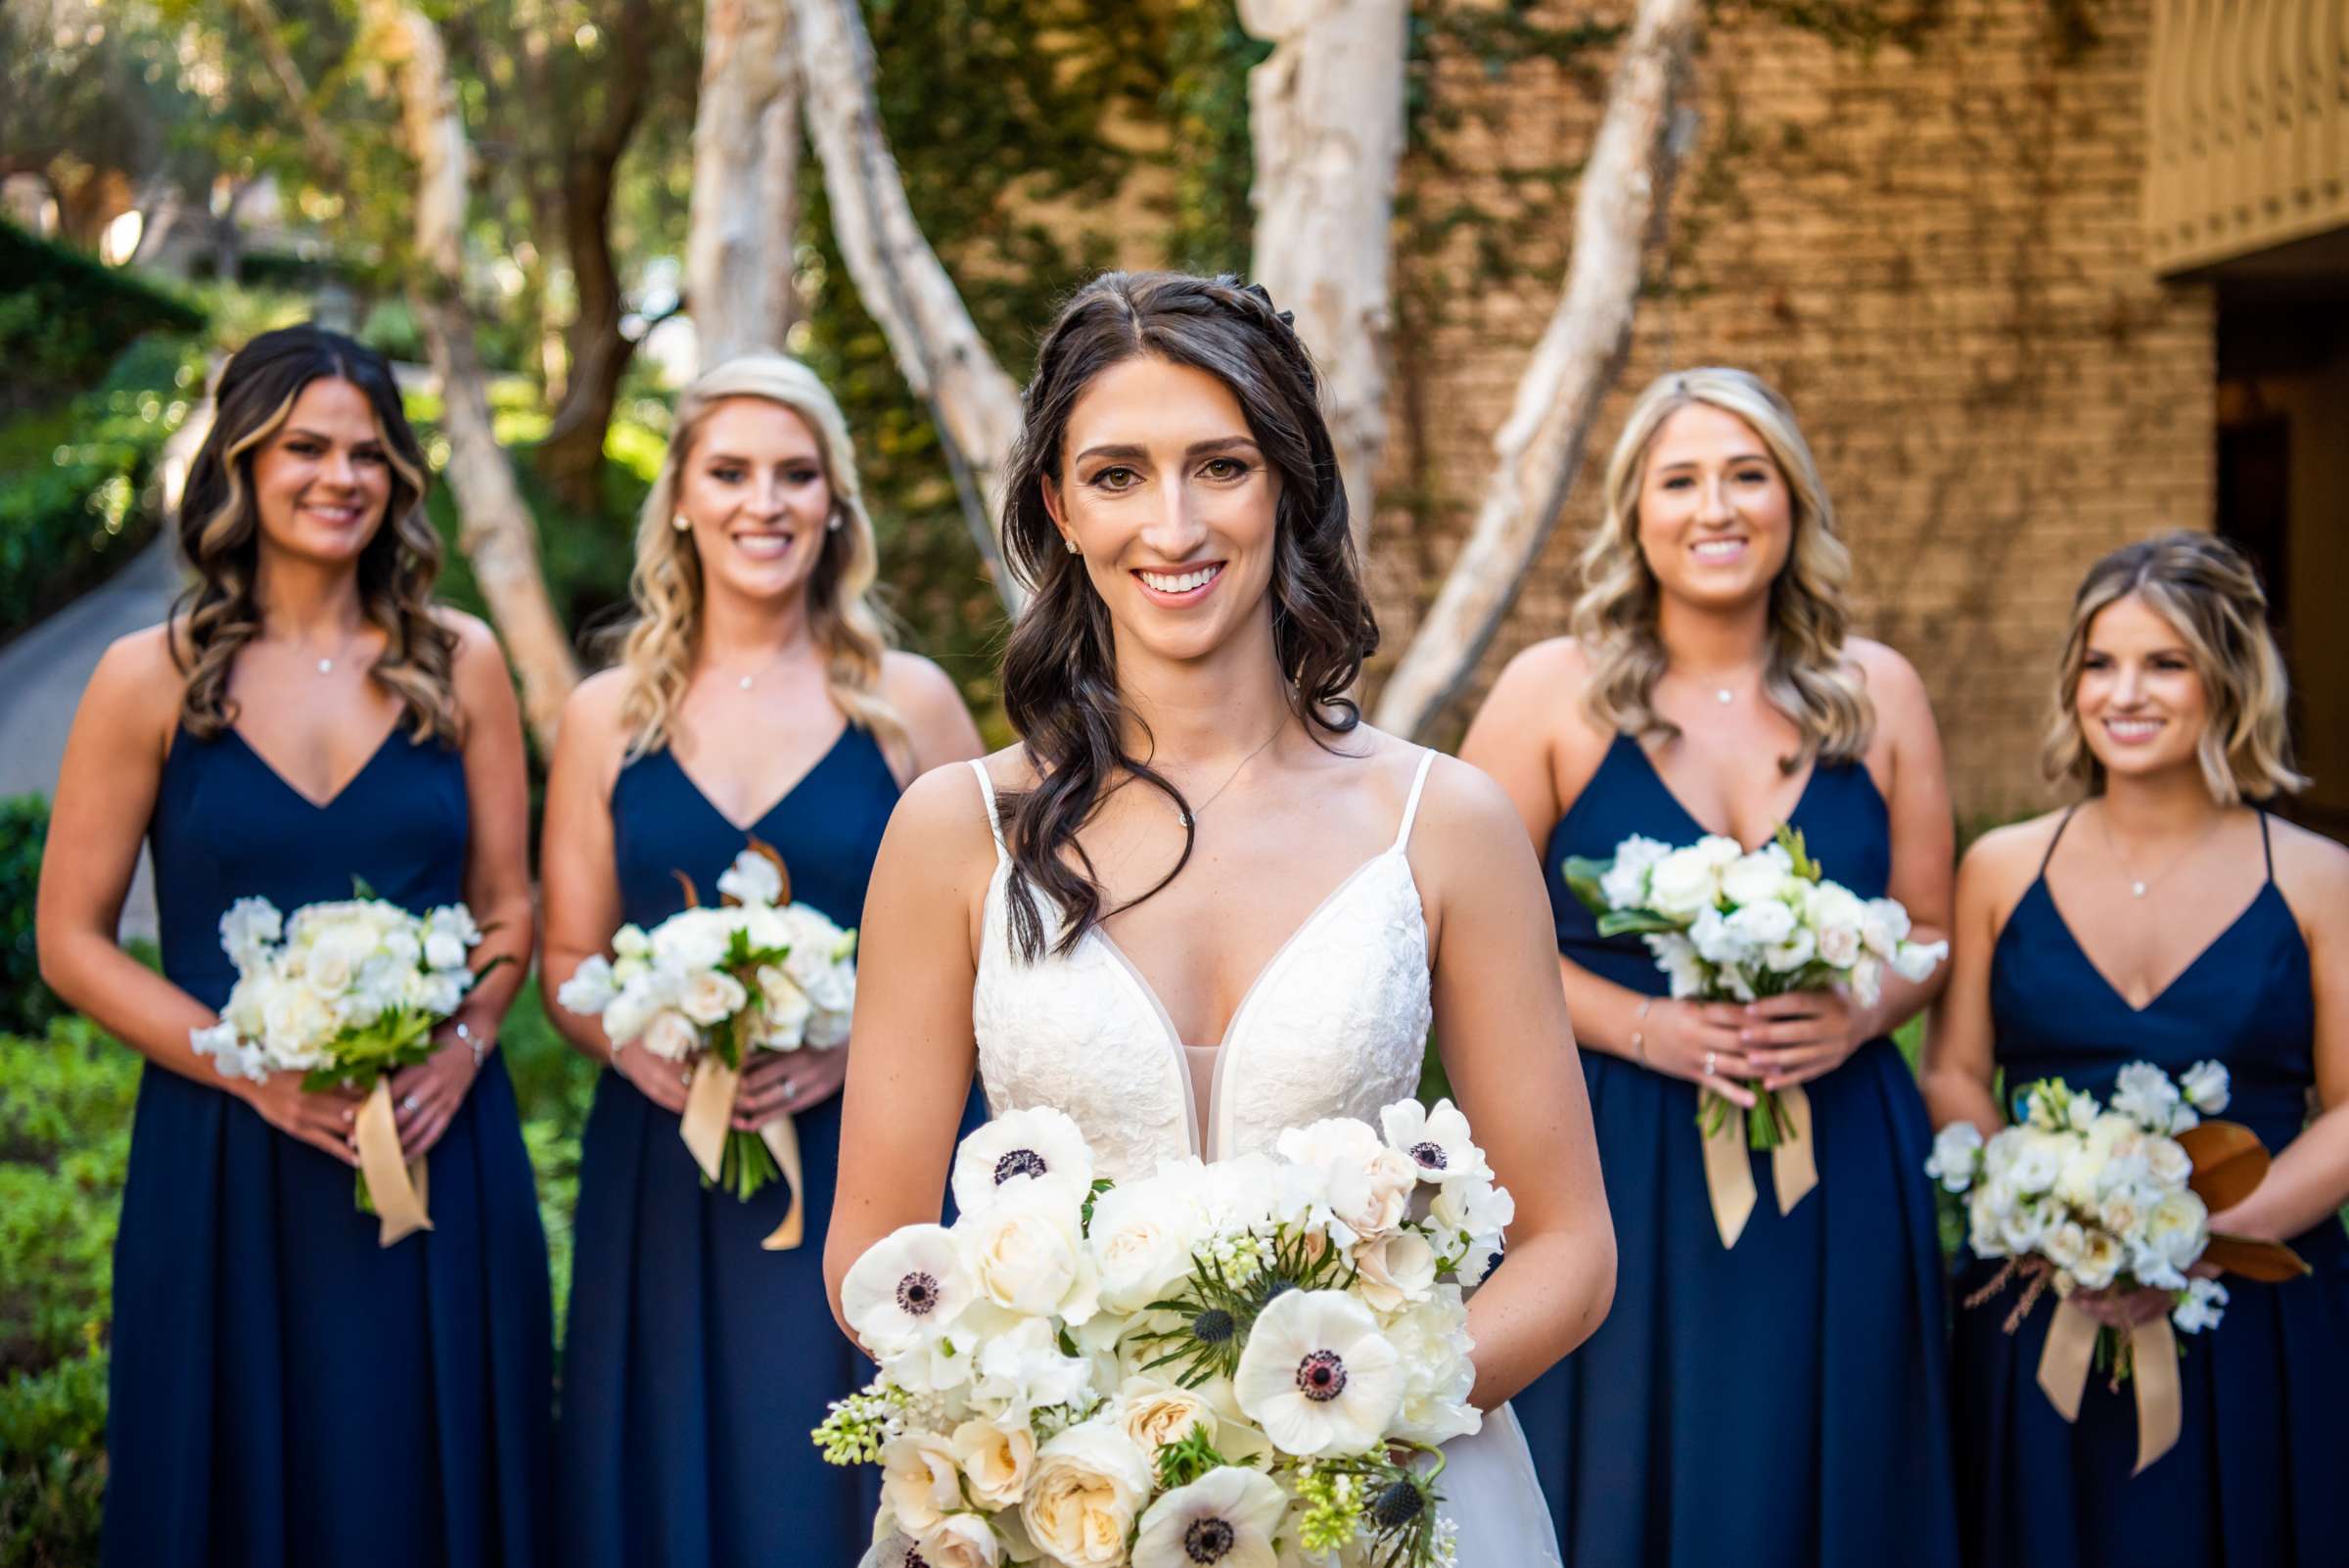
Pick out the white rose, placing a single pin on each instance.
(1719, 941)
(1985, 1231)
(1883, 924)
(671, 1036)
(2168, 1161)
(1142, 1236)
(1834, 913)
(2066, 1244)
(996, 1458)
(1684, 883)
(630, 941)
(920, 1482)
(711, 996)
(589, 990)
(2099, 1263)
(1625, 884)
(1395, 1270)
(783, 1009)
(961, 1541)
(1027, 1248)
(1763, 925)
(1154, 1414)
(444, 949)
(1366, 1186)
(1759, 878)
(2179, 1228)
(2206, 1090)
(296, 1024)
(1090, 1484)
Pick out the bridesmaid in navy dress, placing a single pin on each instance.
(284, 1391)
(1783, 1401)
(755, 699)
(2166, 918)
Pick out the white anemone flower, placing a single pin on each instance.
(1318, 1376)
(908, 1288)
(1224, 1519)
(1033, 1143)
(1437, 1140)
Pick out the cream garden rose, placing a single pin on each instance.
(1089, 1486)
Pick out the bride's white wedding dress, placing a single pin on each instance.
(1333, 1026)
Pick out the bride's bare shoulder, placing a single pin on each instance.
(942, 817)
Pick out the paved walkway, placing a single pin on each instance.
(43, 671)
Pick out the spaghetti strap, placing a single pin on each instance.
(2058, 838)
(995, 819)
(2266, 845)
(1411, 807)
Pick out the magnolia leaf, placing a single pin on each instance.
(693, 900)
(1615, 922)
(2228, 1159)
(2270, 1262)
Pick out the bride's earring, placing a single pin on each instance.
(1071, 543)
(681, 522)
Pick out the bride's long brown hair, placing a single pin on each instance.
(1060, 674)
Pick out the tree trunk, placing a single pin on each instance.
(499, 536)
(571, 456)
(937, 346)
(745, 180)
(1626, 189)
(1326, 112)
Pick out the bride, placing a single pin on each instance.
(1204, 901)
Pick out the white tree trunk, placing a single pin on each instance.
(1626, 187)
(1326, 112)
(900, 278)
(746, 173)
(499, 534)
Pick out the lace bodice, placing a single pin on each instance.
(1334, 1025)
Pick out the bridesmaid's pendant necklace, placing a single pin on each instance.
(2139, 886)
(326, 663)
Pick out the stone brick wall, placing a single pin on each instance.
(1933, 249)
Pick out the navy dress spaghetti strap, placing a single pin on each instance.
(284, 1393)
(1785, 1402)
(696, 1364)
(2257, 1477)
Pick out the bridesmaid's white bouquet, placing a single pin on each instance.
(1236, 1363)
(1729, 925)
(2079, 1195)
(753, 973)
(344, 991)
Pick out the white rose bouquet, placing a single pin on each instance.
(2082, 1196)
(710, 985)
(1729, 925)
(1250, 1363)
(345, 991)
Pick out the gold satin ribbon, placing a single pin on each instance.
(2063, 1365)
(1729, 1165)
(395, 1187)
(710, 1118)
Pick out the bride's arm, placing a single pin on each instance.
(911, 1046)
(1500, 1020)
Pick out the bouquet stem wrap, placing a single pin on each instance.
(395, 1186)
(2063, 1367)
(709, 1117)
(1729, 1165)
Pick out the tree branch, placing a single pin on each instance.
(1626, 189)
(745, 180)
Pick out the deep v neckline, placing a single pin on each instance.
(2201, 954)
(779, 800)
(341, 790)
(1801, 796)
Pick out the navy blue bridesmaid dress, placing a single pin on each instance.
(2260, 1474)
(1785, 1402)
(284, 1393)
(696, 1363)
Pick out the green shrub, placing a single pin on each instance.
(24, 1002)
(75, 504)
(53, 1464)
(65, 317)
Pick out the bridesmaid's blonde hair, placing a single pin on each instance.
(2206, 589)
(666, 584)
(1807, 677)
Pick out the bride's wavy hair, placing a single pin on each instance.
(219, 535)
(1805, 677)
(1060, 674)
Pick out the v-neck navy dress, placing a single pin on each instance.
(1785, 1403)
(696, 1363)
(2260, 1474)
(284, 1393)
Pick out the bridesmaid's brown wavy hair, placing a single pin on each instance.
(219, 535)
(1060, 674)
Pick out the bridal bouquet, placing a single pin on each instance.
(344, 991)
(2081, 1195)
(1240, 1364)
(710, 985)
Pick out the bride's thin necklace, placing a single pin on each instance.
(2139, 886)
(1190, 818)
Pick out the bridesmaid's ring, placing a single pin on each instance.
(786, 1088)
(1711, 1057)
(408, 1103)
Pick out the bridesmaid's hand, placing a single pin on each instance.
(778, 1082)
(657, 1077)
(1794, 1039)
(425, 1097)
(323, 1121)
(2123, 1310)
(1698, 1042)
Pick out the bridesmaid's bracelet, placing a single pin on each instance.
(1639, 1038)
(479, 1047)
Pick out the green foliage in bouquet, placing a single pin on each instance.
(1218, 1305)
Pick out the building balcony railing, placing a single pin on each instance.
(2248, 114)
